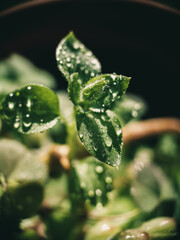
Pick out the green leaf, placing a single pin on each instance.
(31, 109)
(72, 56)
(160, 228)
(11, 152)
(17, 202)
(94, 187)
(107, 227)
(101, 135)
(18, 164)
(129, 108)
(100, 92)
(19, 71)
(152, 190)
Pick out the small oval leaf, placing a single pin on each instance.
(31, 109)
(101, 135)
(72, 56)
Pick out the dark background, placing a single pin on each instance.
(136, 38)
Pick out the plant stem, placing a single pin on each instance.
(142, 129)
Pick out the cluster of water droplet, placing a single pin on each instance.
(72, 56)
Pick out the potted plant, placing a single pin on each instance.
(51, 188)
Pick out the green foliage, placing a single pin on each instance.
(93, 98)
(101, 135)
(73, 57)
(54, 191)
(152, 190)
(31, 109)
(17, 71)
(93, 188)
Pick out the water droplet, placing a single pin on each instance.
(29, 88)
(91, 193)
(98, 192)
(28, 103)
(118, 130)
(68, 59)
(105, 227)
(113, 76)
(103, 118)
(108, 141)
(80, 135)
(134, 113)
(16, 124)
(11, 105)
(108, 180)
(27, 124)
(92, 74)
(99, 169)
(115, 94)
(76, 45)
(89, 53)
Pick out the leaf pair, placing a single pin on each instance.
(93, 96)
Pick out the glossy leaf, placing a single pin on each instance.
(94, 187)
(129, 108)
(151, 189)
(100, 92)
(31, 109)
(72, 56)
(101, 135)
(161, 228)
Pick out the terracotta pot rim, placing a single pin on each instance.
(35, 3)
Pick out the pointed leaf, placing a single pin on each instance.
(31, 109)
(100, 92)
(72, 56)
(101, 135)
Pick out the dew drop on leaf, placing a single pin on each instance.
(98, 192)
(99, 169)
